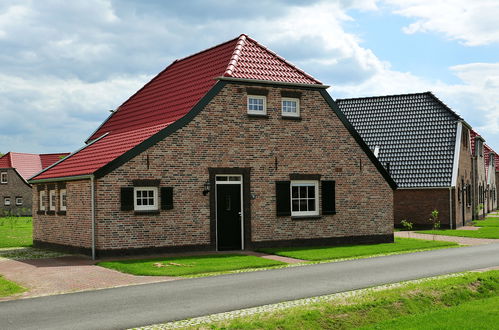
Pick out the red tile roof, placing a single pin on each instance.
(473, 135)
(28, 165)
(171, 95)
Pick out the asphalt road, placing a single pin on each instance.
(146, 304)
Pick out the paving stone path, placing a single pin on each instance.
(459, 240)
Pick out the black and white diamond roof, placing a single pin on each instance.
(415, 134)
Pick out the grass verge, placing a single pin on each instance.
(8, 288)
(16, 232)
(483, 232)
(355, 251)
(488, 222)
(469, 293)
(190, 265)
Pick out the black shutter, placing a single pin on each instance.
(328, 197)
(126, 198)
(166, 198)
(283, 198)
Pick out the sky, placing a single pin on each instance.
(65, 64)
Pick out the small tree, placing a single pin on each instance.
(407, 226)
(435, 222)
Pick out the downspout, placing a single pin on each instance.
(92, 201)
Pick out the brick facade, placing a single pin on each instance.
(462, 199)
(15, 187)
(479, 184)
(222, 135)
(416, 205)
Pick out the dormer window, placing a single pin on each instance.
(257, 105)
(290, 107)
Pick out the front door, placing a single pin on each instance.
(229, 215)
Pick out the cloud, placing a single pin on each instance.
(473, 23)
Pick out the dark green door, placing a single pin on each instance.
(229, 216)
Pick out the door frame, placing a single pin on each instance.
(240, 183)
(245, 173)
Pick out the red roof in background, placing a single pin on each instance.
(473, 135)
(28, 165)
(171, 95)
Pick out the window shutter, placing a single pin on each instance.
(283, 198)
(126, 198)
(166, 198)
(328, 197)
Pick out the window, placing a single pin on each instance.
(41, 197)
(257, 105)
(3, 177)
(19, 201)
(62, 200)
(290, 107)
(145, 198)
(6, 201)
(304, 198)
(52, 200)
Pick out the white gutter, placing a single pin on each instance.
(457, 149)
(450, 207)
(92, 202)
(63, 178)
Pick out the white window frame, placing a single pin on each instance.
(52, 200)
(3, 177)
(42, 194)
(6, 201)
(297, 183)
(257, 112)
(19, 201)
(290, 114)
(153, 207)
(62, 205)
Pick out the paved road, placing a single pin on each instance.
(160, 302)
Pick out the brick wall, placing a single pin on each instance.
(222, 135)
(71, 229)
(463, 203)
(15, 187)
(416, 205)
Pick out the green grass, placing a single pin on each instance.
(459, 296)
(483, 232)
(191, 265)
(488, 222)
(8, 288)
(481, 314)
(16, 232)
(355, 251)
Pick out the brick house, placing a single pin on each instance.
(15, 169)
(426, 148)
(230, 148)
(490, 202)
(479, 177)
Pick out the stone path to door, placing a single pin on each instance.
(459, 240)
(51, 276)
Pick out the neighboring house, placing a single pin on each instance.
(230, 148)
(490, 189)
(479, 178)
(15, 169)
(425, 147)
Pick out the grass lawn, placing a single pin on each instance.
(453, 302)
(489, 228)
(480, 314)
(354, 251)
(16, 232)
(488, 222)
(191, 265)
(8, 288)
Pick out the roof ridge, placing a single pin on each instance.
(380, 96)
(235, 56)
(284, 60)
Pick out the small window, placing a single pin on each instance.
(145, 198)
(19, 201)
(41, 197)
(6, 201)
(52, 200)
(290, 107)
(62, 199)
(3, 177)
(257, 105)
(304, 198)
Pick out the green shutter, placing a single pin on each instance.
(328, 197)
(283, 198)
(127, 198)
(166, 198)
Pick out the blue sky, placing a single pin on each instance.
(65, 64)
